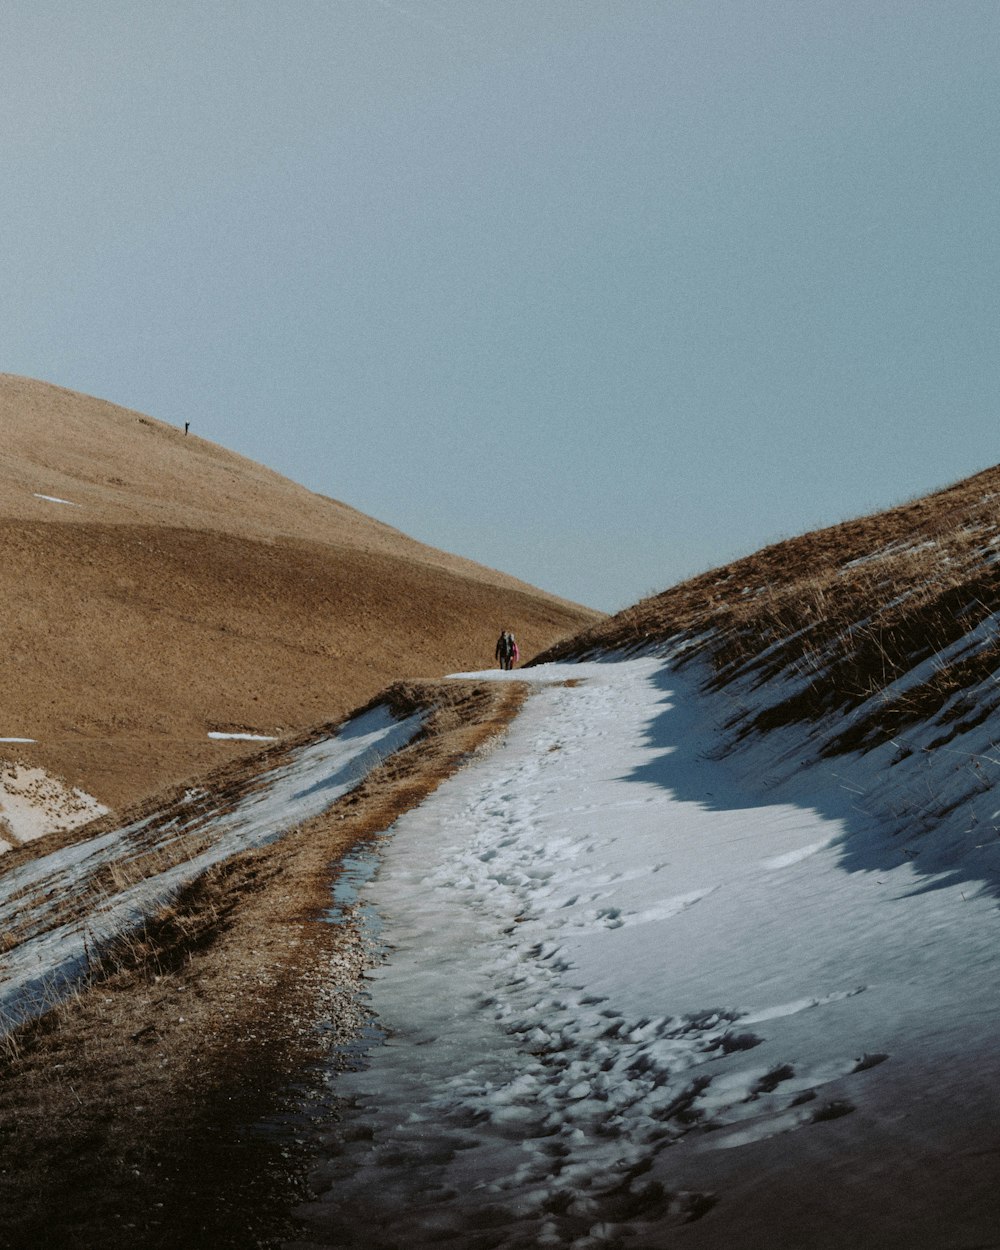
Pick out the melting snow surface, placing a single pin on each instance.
(50, 956)
(625, 987)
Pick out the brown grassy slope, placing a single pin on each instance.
(849, 608)
(192, 589)
(128, 468)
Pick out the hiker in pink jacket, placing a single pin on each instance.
(506, 650)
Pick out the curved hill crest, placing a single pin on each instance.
(157, 587)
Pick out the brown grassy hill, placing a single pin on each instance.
(183, 588)
(837, 618)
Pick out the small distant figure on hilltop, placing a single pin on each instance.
(187, 426)
(506, 650)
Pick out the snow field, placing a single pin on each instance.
(619, 975)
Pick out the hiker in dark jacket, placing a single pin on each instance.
(506, 650)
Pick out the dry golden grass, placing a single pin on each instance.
(127, 1114)
(848, 610)
(193, 590)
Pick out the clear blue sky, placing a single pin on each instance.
(599, 292)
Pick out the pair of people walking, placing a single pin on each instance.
(506, 650)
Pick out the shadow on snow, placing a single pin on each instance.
(699, 761)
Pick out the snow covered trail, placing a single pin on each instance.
(625, 993)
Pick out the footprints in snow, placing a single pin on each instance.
(615, 918)
(574, 1128)
(779, 1100)
(637, 1073)
(598, 1095)
(626, 1081)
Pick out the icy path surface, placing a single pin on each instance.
(628, 1001)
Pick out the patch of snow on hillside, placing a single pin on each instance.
(218, 735)
(33, 804)
(54, 499)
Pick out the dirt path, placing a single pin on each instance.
(163, 1107)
